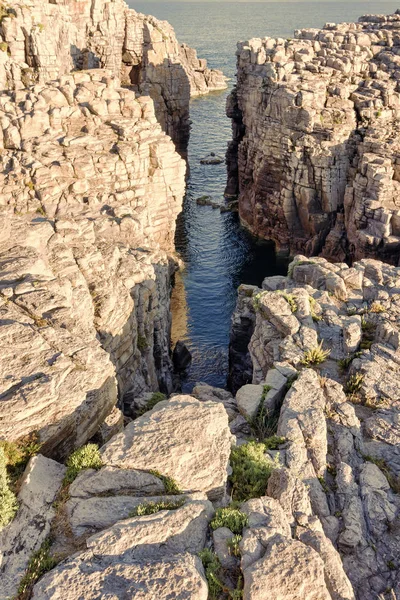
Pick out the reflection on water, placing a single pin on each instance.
(218, 253)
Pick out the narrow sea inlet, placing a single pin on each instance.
(217, 252)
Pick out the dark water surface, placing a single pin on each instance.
(218, 253)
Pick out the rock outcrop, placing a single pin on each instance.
(315, 149)
(329, 333)
(90, 190)
(43, 40)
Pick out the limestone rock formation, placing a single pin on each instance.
(330, 332)
(315, 149)
(41, 40)
(182, 438)
(90, 190)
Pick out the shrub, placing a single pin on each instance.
(39, 563)
(251, 469)
(155, 399)
(150, 508)
(273, 442)
(230, 517)
(315, 356)
(170, 485)
(87, 457)
(8, 500)
(212, 568)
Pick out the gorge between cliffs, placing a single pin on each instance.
(199, 301)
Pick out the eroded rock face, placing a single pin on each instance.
(90, 190)
(339, 416)
(315, 150)
(44, 40)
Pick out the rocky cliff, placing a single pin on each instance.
(315, 149)
(324, 350)
(41, 40)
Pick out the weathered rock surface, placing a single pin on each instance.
(24, 536)
(88, 211)
(315, 150)
(339, 488)
(182, 438)
(43, 40)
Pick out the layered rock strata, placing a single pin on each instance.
(315, 151)
(90, 190)
(325, 352)
(41, 40)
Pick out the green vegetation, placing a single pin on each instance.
(264, 424)
(233, 545)
(87, 457)
(230, 517)
(377, 307)
(150, 508)
(142, 343)
(170, 485)
(39, 563)
(353, 384)
(273, 442)
(324, 485)
(155, 399)
(8, 500)
(17, 454)
(4, 46)
(212, 568)
(251, 469)
(315, 356)
(313, 304)
(298, 263)
(41, 211)
(290, 299)
(391, 565)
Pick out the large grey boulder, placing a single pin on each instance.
(182, 438)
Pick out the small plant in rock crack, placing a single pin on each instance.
(313, 306)
(170, 485)
(230, 517)
(40, 563)
(87, 457)
(315, 356)
(251, 469)
(212, 568)
(353, 384)
(377, 307)
(155, 399)
(233, 545)
(264, 424)
(290, 299)
(150, 508)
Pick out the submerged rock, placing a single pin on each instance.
(211, 159)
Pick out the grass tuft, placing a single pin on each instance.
(150, 508)
(87, 457)
(353, 384)
(315, 356)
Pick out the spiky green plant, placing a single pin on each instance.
(315, 356)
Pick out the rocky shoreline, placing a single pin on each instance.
(289, 485)
(314, 156)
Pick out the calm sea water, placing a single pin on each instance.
(218, 253)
